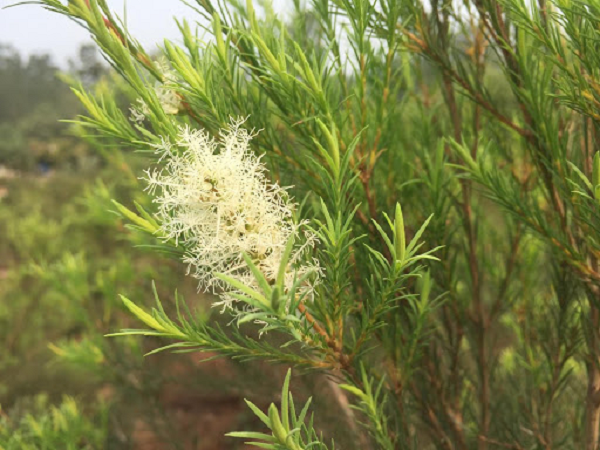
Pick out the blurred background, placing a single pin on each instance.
(64, 259)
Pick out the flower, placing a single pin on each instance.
(139, 111)
(214, 197)
(165, 92)
(168, 97)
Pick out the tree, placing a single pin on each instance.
(479, 117)
(88, 68)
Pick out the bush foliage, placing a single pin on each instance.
(467, 317)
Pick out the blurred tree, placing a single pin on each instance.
(88, 68)
(26, 84)
(34, 99)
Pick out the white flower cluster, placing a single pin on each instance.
(214, 197)
(167, 96)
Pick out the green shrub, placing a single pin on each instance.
(468, 317)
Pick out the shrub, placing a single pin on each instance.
(468, 317)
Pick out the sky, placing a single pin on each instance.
(32, 29)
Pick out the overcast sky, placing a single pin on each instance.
(30, 28)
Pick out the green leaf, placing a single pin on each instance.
(143, 315)
(284, 400)
(596, 169)
(251, 435)
(276, 426)
(143, 223)
(400, 241)
(258, 275)
(284, 262)
(415, 240)
(354, 390)
(262, 416)
(581, 175)
(245, 289)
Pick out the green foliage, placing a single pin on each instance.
(288, 428)
(373, 406)
(52, 428)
